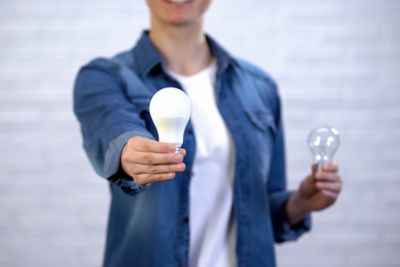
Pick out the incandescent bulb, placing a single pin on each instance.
(323, 142)
(170, 110)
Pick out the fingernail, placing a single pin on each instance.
(182, 166)
(178, 157)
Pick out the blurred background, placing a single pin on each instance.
(337, 62)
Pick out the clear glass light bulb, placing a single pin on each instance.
(323, 142)
(170, 110)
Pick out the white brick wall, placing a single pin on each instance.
(337, 62)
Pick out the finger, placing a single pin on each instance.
(148, 158)
(334, 187)
(314, 168)
(329, 167)
(307, 187)
(157, 169)
(183, 151)
(143, 179)
(329, 194)
(327, 176)
(148, 145)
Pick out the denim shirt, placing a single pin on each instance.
(149, 225)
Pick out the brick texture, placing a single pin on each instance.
(337, 62)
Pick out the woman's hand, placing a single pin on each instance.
(317, 191)
(148, 161)
(321, 188)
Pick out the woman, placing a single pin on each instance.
(221, 201)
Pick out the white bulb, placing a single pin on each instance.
(323, 143)
(170, 109)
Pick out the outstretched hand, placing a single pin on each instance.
(321, 188)
(317, 191)
(148, 161)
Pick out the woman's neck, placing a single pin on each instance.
(183, 47)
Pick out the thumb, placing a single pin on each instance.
(314, 169)
(307, 186)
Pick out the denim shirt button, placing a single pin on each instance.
(186, 219)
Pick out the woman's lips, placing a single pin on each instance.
(179, 1)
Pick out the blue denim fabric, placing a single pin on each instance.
(149, 225)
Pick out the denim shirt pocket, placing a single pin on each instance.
(262, 119)
(261, 140)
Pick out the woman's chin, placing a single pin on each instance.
(180, 21)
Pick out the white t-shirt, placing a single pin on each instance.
(212, 228)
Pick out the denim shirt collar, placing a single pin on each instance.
(147, 57)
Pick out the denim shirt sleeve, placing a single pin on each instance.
(278, 194)
(108, 120)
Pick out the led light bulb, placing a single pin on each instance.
(170, 110)
(323, 142)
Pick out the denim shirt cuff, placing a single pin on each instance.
(112, 165)
(284, 231)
